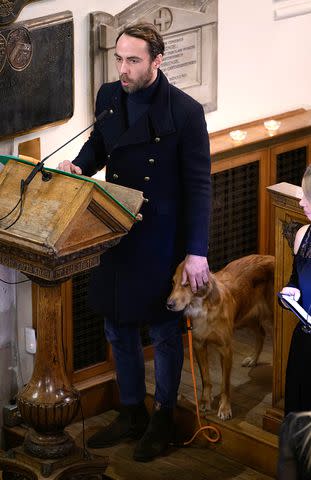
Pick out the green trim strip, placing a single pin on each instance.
(5, 158)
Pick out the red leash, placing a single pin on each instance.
(211, 433)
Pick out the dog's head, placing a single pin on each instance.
(181, 295)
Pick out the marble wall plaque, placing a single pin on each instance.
(189, 29)
(36, 73)
(182, 57)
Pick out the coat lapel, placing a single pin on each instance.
(114, 124)
(160, 112)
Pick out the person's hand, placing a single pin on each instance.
(195, 272)
(292, 292)
(67, 166)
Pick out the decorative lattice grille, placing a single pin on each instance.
(88, 329)
(234, 225)
(290, 166)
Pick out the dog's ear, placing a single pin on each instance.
(210, 290)
(214, 294)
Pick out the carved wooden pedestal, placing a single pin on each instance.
(48, 403)
(65, 225)
(18, 465)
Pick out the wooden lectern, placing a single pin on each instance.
(60, 227)
(288, 217)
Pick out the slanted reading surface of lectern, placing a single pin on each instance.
(288, 217)
(65, 224)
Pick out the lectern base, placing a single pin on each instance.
(19, 465)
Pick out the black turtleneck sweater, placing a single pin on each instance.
(137, 103)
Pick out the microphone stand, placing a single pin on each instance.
(46, 176)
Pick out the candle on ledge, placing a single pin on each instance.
(272, 126)
(238, 135)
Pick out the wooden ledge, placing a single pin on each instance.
(223, 146)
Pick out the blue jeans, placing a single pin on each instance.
(128, 354)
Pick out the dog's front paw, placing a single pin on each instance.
(224, 412)
(249, 362)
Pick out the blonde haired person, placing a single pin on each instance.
(295, 436)
(298, 381)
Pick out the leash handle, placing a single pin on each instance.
(211, 433)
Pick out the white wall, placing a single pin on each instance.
(264, 65)
(264, 68)
(8, 331)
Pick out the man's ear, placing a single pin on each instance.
(158, 60)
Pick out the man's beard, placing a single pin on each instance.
(134, 86)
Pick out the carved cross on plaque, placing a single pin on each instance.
(164, 20)
(10, 9)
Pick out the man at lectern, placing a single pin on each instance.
(154, 139)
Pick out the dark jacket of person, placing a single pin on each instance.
(165, 154)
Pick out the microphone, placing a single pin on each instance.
(46, 176)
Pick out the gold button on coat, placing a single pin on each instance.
(147, 179)
(157, 139)
(115, 176)
(151, 161)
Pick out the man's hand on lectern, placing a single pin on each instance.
(67, 166)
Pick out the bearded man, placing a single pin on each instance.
(154, 139)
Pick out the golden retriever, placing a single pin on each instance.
(239, 295)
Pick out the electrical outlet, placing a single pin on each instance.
(30, 340)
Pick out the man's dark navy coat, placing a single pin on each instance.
(165, 154)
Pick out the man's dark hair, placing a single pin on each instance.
(149, 33)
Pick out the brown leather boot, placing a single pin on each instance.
(131, 422)
(159, 434)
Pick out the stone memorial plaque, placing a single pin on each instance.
(36, 73)
(182, 59)
(10, 9)
(189, 29)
